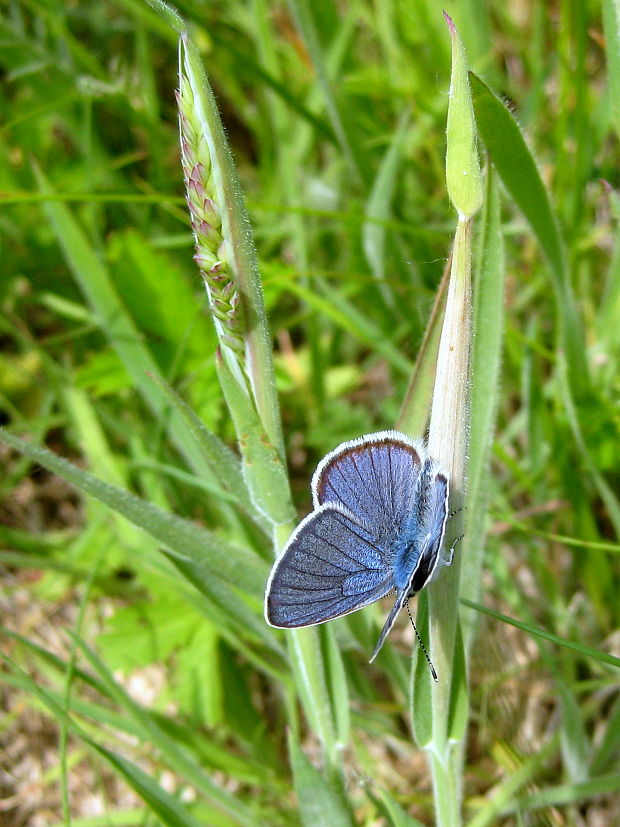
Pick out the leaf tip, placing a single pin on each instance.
(449, 23)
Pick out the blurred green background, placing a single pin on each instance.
(335, 113)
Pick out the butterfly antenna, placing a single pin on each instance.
(420, 641)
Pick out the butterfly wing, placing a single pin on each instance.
(332, 565)
(374, 477)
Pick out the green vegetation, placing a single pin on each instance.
(142, 682)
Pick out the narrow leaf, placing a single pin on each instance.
(320, 803)
(396, 816)
(606, 756)
(517, 169)
(265, 473)
(187, 541)
(164, 805)
(223, 462)
(573, 736)
(414, 411)
(486, 359)
(343, 313)
(421, 682)
(580, 648)
(153, 733)
(459, 699)
(611, 26)
(567, 794)
(310, 679)
(304, 18)
(378, 206)
(516, 166)
(337, 683)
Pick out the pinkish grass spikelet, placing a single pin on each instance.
(202, 201)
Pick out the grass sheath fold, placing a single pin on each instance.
(447, 443)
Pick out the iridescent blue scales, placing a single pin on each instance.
(380, 511)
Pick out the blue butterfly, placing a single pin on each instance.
(380, 511)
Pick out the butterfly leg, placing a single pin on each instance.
(450, 558)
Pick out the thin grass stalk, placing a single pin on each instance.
(227, 261)
(68, 685)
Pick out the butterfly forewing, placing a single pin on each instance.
(375, 479)
(331, 566)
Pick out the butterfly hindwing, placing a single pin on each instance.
(332, 565)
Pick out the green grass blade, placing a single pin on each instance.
(421, 683)
(162, 803)
(94, 281)
(166, 13)
(414, 411)
(517, 169)
(223, 462)
(176, 758)
(567, 794)
(184, 734)
(486, 360)
(459, 700)
(69, 679)
(396, 816)
(185, 540)
(309, 670)
(264, 470)
(611, 24)
(606, 492)
(489, 812)
(231, 615)
(337, 683)
(120, 818)
(320, 804)
(303, 14)
(378, 206)
(573, 737)
(580, 648)
(335, 306)
(606, 756)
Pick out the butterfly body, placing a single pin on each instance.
(380, 509)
